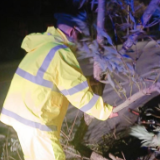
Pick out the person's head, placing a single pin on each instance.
(69, 25)
(69, 31)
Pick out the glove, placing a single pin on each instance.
(112, 115)
(97, 71)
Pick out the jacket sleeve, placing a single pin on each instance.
(73, 84)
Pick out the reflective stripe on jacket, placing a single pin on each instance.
(46, 79)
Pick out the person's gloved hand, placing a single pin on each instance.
(97, 71)
(112, 115)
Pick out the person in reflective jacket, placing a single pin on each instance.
(46, 80)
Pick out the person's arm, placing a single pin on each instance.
(73, 84)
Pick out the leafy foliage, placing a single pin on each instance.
(123, 16)
(108, 57)
(109, 60)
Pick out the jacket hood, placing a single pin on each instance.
(35, 40)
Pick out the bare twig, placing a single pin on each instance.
(11, 158)
(150, 72)
(123, 155)
(19, 155)
(120, 76)
(65, 135)
(156, 79)
(7, 145)
(65, 119)
(73, 125)
(131, 84)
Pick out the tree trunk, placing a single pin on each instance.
(100, 39)
(100, 20)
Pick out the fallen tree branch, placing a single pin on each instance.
(138, 95)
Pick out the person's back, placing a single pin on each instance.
(33, 89)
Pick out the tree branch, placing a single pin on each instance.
(145, 18)
(100, 39)
(138, 95)
(100, 20)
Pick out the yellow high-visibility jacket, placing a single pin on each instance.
(46, 80)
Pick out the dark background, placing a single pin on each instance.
(21, 17)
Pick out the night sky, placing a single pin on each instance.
(21, 17)
(32, 7)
